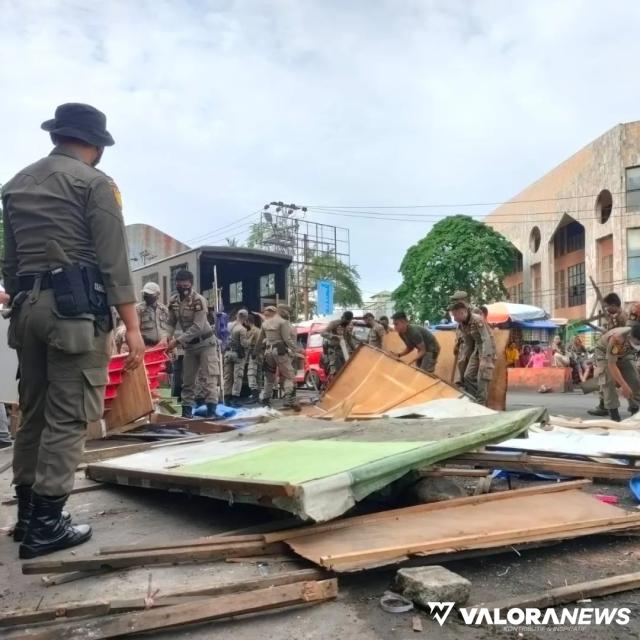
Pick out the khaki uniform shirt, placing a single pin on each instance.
(476, 334)
(275, 330)
(64, 199)
(417, 335)
(154, 322)
(239, 340)
(613, 345)
(191, 315)
(335, 331)
(376, 335)
(612, 322)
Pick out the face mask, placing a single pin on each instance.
(184, 291)
(150, 300)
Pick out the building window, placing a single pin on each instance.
(633, 254)
(151, 277)
(235, 292)
(606, 271)
(534, 240)
(633, 188)
(568, 239)
(604, 205)
(560, 289)
(174, 272)
(576, 278)
(268, 285)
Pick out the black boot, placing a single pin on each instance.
(254, 397)
(211, 410)
(265, 402)
(599, 410)
(23, 493)
(291, 402)
(633, 409)
(235, 401)
(48, 531)
(187, 411)
(614, 414)
(199, 402)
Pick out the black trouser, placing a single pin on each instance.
(176, 378)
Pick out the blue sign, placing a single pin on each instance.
(324, 305)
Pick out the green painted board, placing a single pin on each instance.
(299, 461)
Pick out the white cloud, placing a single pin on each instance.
(219, 107)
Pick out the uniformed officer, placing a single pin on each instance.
(477, 355)
(253, 363)
(278, 345)
(284, 311)
(418, 338)
(338, 334)
(613, 316)
(614, 356)
(376, 330)
(65, 264)
(188, 310)
(153, 315)
(384, 321)
(235, 358)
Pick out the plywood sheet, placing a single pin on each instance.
(373, 382)
(458, 527)
(132, 402)
(445, 367)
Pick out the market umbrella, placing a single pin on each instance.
(500, 312)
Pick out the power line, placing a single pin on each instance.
(216, 230)
(492, 219)
(462, 205)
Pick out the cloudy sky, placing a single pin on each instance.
(219, 106)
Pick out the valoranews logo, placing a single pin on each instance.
(530, 617)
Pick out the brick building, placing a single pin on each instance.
(579, 220)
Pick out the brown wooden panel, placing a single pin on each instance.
(519, 517)
(132, 402)
(373, 382)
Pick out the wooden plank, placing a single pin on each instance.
(451, 471)
(92, 456)
(186, 483)
(421, 508)
(103, 607)
(542, 464)
(171, 556)
(181, 544)
(209, 609)
(569, 593)
(132, 402)
(468, 540)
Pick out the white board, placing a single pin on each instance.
(8, 367)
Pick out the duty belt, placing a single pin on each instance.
(201, 338)
(26, 283)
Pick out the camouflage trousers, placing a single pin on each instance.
(233, 373)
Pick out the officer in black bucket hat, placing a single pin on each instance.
(65, 265)
(82, 122)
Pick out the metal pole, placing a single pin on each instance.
(306, 278)
(216, 306)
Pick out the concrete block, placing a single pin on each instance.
(432, 584)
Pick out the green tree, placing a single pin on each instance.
(326, 266)
(257, 234)
(459, 253)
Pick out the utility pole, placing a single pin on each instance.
(306, 277)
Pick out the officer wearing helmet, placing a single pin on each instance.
(153, 315)
(65, 266)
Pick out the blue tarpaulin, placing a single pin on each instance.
(534, 324)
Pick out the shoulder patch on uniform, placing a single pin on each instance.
(116, 192)
(197, 305)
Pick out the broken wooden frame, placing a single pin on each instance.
(193, 610)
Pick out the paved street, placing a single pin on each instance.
(573, 404)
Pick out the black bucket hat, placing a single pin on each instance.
(81, 121)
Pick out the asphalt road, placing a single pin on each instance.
(573, 404)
